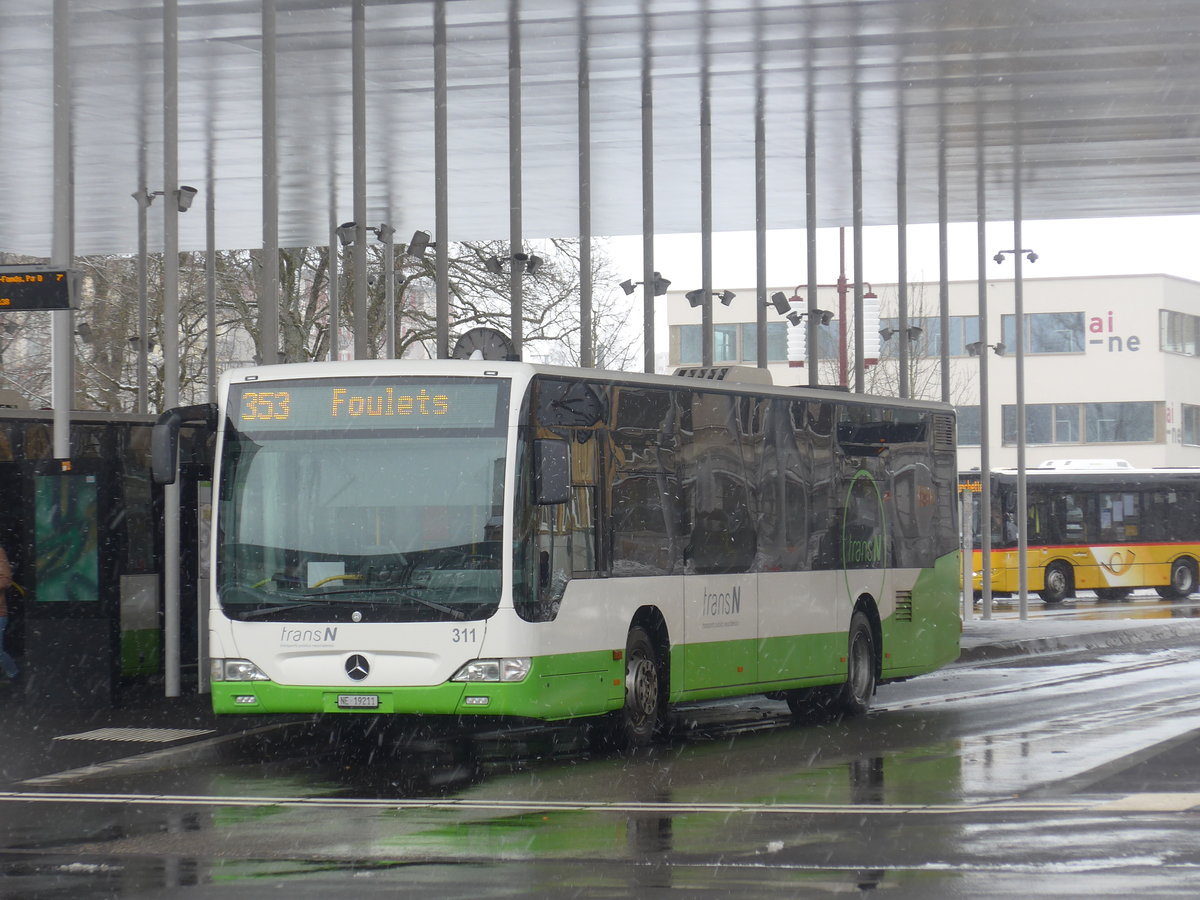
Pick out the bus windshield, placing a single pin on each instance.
(374, 518)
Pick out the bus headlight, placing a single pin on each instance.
(507, 669)
(235, 670)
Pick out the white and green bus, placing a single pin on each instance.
(497, 538)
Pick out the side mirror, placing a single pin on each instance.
(164, 438)
(551, 472)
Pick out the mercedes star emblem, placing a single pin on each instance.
(357, 667)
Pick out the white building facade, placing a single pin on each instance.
(1112, 364)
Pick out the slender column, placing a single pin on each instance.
(171, 493)
(706, 224)
(62, 322)
(1019, 322)
(857, 213)
(359, 103)
(268, 313)
(760, 192)
(335, 277)
(647, 195)
(587, 354)
(516, 269)
(441, 182)
(810, 221)
(387, 234)
(210, 278)
(902, 256)
(143, 198)
(985, 466)
(943, 251)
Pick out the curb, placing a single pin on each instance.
(1108, 639)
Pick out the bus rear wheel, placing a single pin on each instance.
(1057, 584)
(852, 697)
(1183, 580)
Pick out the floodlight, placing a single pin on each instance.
(695, 298)
(184, 197)
(726, 297)
(419, 243)
(627, 286)
(347, 232)
(780, 300)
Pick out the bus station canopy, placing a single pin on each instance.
(1099, 99)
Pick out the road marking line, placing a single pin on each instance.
(1132, 803)
(138, 735)
(1151, 803)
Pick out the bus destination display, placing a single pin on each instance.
(366, 403)
(23, 288)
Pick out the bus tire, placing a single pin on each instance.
(640, 719)
(1183, 580)
(859, 688)
(1057, 583)
(853, 696)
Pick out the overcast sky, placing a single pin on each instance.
(1168, 246)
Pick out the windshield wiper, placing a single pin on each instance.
(403, 595)
(327, 597)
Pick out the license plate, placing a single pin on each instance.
(357, 701)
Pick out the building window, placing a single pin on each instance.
(1179, 332)
(732, 343)
(1191, 424)
(1046, 332)
(968, 426)
(1086, 423)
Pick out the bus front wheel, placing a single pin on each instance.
(1057, 584)
(639, 720)
(1183, 580)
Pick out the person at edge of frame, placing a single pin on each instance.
(7, 664)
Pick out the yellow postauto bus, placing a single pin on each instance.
(1110, 531)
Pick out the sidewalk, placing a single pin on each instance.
(58, 748)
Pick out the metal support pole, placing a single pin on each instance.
(268, 313)
(985, 511)
(441, 182)
(210, 278)
(516, 271)
(144, 199)
(706, 225)
(810, 220)
(647, 195)
(902, 256)
(587, 353)
(760, 192)
(171, 492)
(1019, 322)
(387, 235)
(334, 276)
(62, 322)
(943, 253)
(857, 213)
(359, 103)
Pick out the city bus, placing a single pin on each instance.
(496, 538)
(1108, 530)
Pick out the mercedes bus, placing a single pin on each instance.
(496, 538)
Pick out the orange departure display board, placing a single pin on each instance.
(28, 288)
